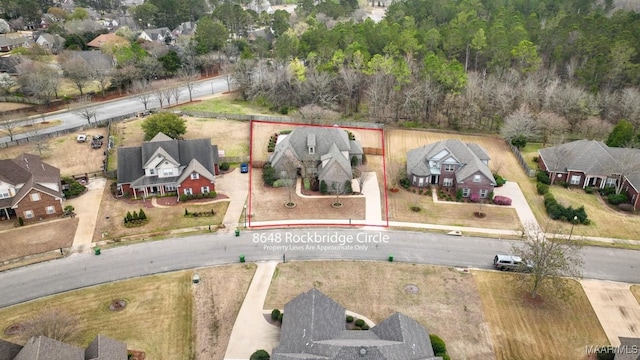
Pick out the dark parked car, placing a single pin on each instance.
(244, 168)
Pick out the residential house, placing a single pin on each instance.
(323, 153)
(592, 163)
(264, 33)
(96, 60)
(50, 42)
(14, 65)
(184, 29)
(110, 38)
(44, 348)
(160, 35)
(260, 5)
(451, 163)
(629, 349)
(8, 42)
(314, 328)
(29, 188)
(165, 165)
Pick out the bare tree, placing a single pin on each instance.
(175, 93)
(103, 77)
(551, 127)
(7, 82)
(519, 123)
(39, 142)
(40, 80)
(289, 175)
(52, 323)
(242, 76)
(10, 124)
(546, 262)
(395, 172)
(189, 78)
(594, 128)
(142, 87)
(159, 94)
(227, 71)
(76, 70)
(86, 110)
(314, 114)
(337, 188)
(168, 94)
(360, 173)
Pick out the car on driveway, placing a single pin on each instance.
(244, 168)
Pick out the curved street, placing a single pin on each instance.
(81, 270)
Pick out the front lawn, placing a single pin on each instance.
(228, 104)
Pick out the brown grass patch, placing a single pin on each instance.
(159, 325)
(218, 298)
(6, 106)
(553, 329)
(267, 203)
(65, 153)
(635, 289)
(458, 214)
(161, 220)
(447, 302)
(36, 238)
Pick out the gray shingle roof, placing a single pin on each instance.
(105, 348)
(628, 344)
(469, 156)
(44, 348)
(8, 350)
(30, 172)
(314, 328)
(131, 160)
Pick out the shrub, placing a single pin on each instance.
(535, 159)
(364, 327)
(519, 141)
(280, 317)
(475, 197)
(359, 323)
(459, 195)
(186, 212)
(616, 199)
(608, 190)
(282, 183)
(589, 190)
(260, 355)
(75, 188)
(349, 318)
(405, 183)
(438, 345)
(499, 180)
(268, 174)
(563, 183)
(68, 209)
(142, 215)
(183, 198)
(275, 314)
(354, 161)
(415, 208)
(20, 221)
(542, 188)
(307, 184)
(129, 216)
(542, 177)
(323, 187)
(347, 187)
(135, 216)
(501, 200)
(626, 207)
(224, 166)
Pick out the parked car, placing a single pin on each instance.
(81, 138)
(510, 263)
(96, 142)
(244, 168)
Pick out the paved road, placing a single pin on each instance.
(123, 106)
(123, 262)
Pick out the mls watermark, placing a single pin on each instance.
(608, 349)
(319, 240)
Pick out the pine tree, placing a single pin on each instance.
(142, 215)
(129, 217)
(135, 216)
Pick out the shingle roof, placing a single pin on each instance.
(335, 167)
(628, 344)
(314, 328)
(105, 348)
(44, 348)
(103, 39)
(469, 156)
(8, 350)
(28, 172)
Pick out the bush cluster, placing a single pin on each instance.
(272, 143)
(75, 188)
(501, 200)
(499, 180)
(211, 194)
(268, 174)
(616, 199)
(224, 166)
(542, 177)
(349, 319)
(347, 187)
(359, 322)
(542, 188)
(210, 213)
(405, 183)
(275, 315)
(438, 346)
(559, 212)
(135, 219)
(323, 187)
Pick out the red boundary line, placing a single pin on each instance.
(384, 175)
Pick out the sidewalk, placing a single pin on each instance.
(87, 206)
(251, 331)
(616, 308)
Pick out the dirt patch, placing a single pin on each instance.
(36, 238)
(14, 329)
(118, 305)
(217, 301)
(411, 289)
(450, 308)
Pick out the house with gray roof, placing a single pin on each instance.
(451, 163)
(44, 348)
(314, 328)
(164, 165)
(629, 349)
(322, 153)
(161, 35)
(591, 163)
(29, 188)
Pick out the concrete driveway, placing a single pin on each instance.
(86, 207)
(616, 308)
(512, 190)
(235, 185)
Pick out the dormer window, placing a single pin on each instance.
(312, 150)
(195, 176)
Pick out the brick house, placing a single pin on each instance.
(29, 188)
(591, 163)
(164, 165)
(451, 163)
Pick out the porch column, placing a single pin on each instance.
(135, 193)
(6, 213)
(586, 181)
(161, 190)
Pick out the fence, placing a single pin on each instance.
(522, 161)
(275, 118)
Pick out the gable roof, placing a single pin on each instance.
(95, 59)
(471, 157)
(44, 348)
(8, 350)
(153, 34)
(334, 164)
(629, 344)
(105, 348)
(103, 39)
(314, 328)
(131, 161)
(27, 171)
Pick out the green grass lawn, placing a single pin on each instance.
(229, 105)
(529, 152)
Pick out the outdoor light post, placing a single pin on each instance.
(245, 216)
(573, 223)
